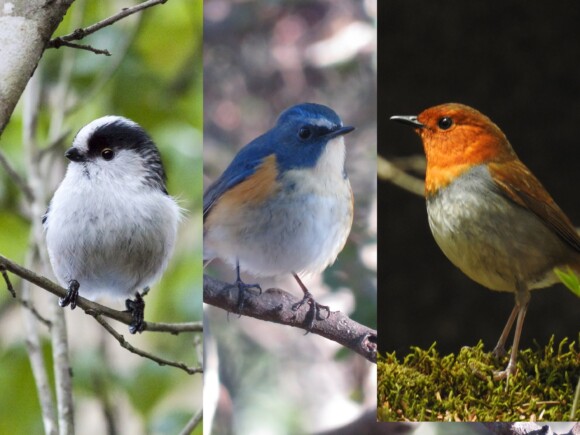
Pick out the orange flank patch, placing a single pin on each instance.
(252, 191)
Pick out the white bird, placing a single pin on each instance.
(111, 225)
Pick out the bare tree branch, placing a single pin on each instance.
(112, 67)
(192, 423)
(60, 43)
(387, 171)
(38, 367)
(81, 33)
(275, 305)
(94, 308)
(7, 281)
(30, 307)
(62, 372)
(124, 343)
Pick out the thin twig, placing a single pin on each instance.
(192, 423)
(173, 328)
(94, 308)
(7, 280)
(81, 33)
(16, 178)
(111, 68)
(275, 305)
(30, 307)
(124, 343)
(60, 43)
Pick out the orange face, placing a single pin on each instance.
(457, 137)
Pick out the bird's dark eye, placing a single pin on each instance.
(108, 154)
(304, 133)
(445, 122)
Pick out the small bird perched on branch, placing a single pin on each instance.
(284, 204)
(488, 213)
(111, 225)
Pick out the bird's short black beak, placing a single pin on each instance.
(409, 120)
(340, 131)
(74, 155)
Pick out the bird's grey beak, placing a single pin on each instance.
(74, 155)
(340, 131)
(409, 120)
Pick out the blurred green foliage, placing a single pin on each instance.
(569, 279)
(154, 77)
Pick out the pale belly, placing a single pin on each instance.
(115, 249)
(301, 230)
(493, 241)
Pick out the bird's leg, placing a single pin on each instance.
(243, 288)
(145, 291)
(522, 302)
(71, 295)
(137, 309)
(499, 349)
(315, 307)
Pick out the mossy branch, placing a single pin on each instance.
(426, 386)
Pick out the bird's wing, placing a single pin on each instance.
(243, 166)
(517, 183)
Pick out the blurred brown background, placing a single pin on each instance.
(517, 62)
(261, 57)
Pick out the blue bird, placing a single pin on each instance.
(284, 204)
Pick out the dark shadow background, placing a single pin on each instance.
(518, 63)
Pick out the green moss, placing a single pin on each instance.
(425, 386)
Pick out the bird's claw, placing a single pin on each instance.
(498, 352)
(137, 309)
(314, 311)
(243, 289)
(510, 370)
(71, 295)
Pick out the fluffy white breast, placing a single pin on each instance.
(114, 236)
